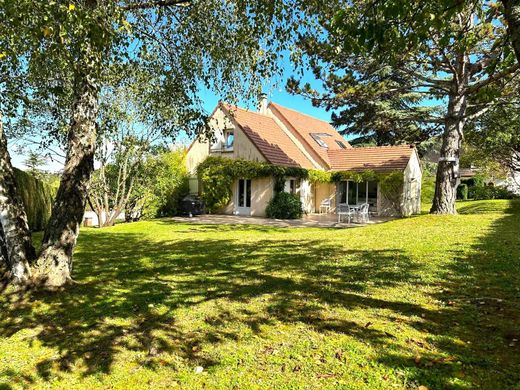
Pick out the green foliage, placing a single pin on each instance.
(37, 198)
(427, 189)
(491, 192)
(388, 67)
(462, 191)
(284, 206)
(164, 183)
(316, 176)
(217, 175)
(495, 140)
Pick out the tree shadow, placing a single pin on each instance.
(476, 331)
(131, 289)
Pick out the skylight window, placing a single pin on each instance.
(317, 137)
(341, 144)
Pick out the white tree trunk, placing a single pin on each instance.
(13, 220)
(55, 262)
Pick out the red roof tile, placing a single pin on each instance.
(305, 126)
(379, 158)
(274, 144)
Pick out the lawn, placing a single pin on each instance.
(425, 301)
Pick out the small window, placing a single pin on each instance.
(319, 141)
(229, 139)
(341, 145)
(292, 186)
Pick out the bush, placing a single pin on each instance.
(37, 198)
(491, 192)
(462, 191)
(167, 184)
(284, 206)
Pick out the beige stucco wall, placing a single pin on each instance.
(323, 191)
(202, 147)
(197, 153)
(409, 201)
(243, 148)
(388, 206)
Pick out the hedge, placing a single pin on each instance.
(37, 198)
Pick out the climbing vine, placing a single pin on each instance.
(217, 175)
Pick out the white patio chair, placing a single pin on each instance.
(362, 213)
(325, 204)
(343, 209)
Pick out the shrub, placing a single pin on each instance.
(37, 198)
(284, 206)
(168, 184)
(462, 191)
(491, 192)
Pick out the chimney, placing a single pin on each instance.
(262, 103)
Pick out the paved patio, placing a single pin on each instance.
(310, 220)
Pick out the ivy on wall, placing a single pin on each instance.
(217, 175)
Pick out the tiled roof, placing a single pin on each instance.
(307, 127)
(274, 144)
(378, 158)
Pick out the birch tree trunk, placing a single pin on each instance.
(13, 220)
(447, 179)
(512, 16)
(55, 262)
(4, 264)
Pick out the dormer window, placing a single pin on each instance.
(341, 145)
(229, 138)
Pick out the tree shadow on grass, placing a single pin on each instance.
(129, 289)
(476, 331)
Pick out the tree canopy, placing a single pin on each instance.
(407, 70)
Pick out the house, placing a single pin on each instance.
(288, 138)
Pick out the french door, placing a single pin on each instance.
(244, 197)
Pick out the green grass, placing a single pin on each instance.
(428, 300)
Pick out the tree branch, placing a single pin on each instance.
(157, 3)
(494, 77)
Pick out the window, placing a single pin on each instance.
(229, 138)
(244, 193)
(317, 137)
(372, 193)
(292, 186)
(341, 144)
(354, 193)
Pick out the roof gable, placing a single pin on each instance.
(315, 134)
(270, 140)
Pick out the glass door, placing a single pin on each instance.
(244, 197)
